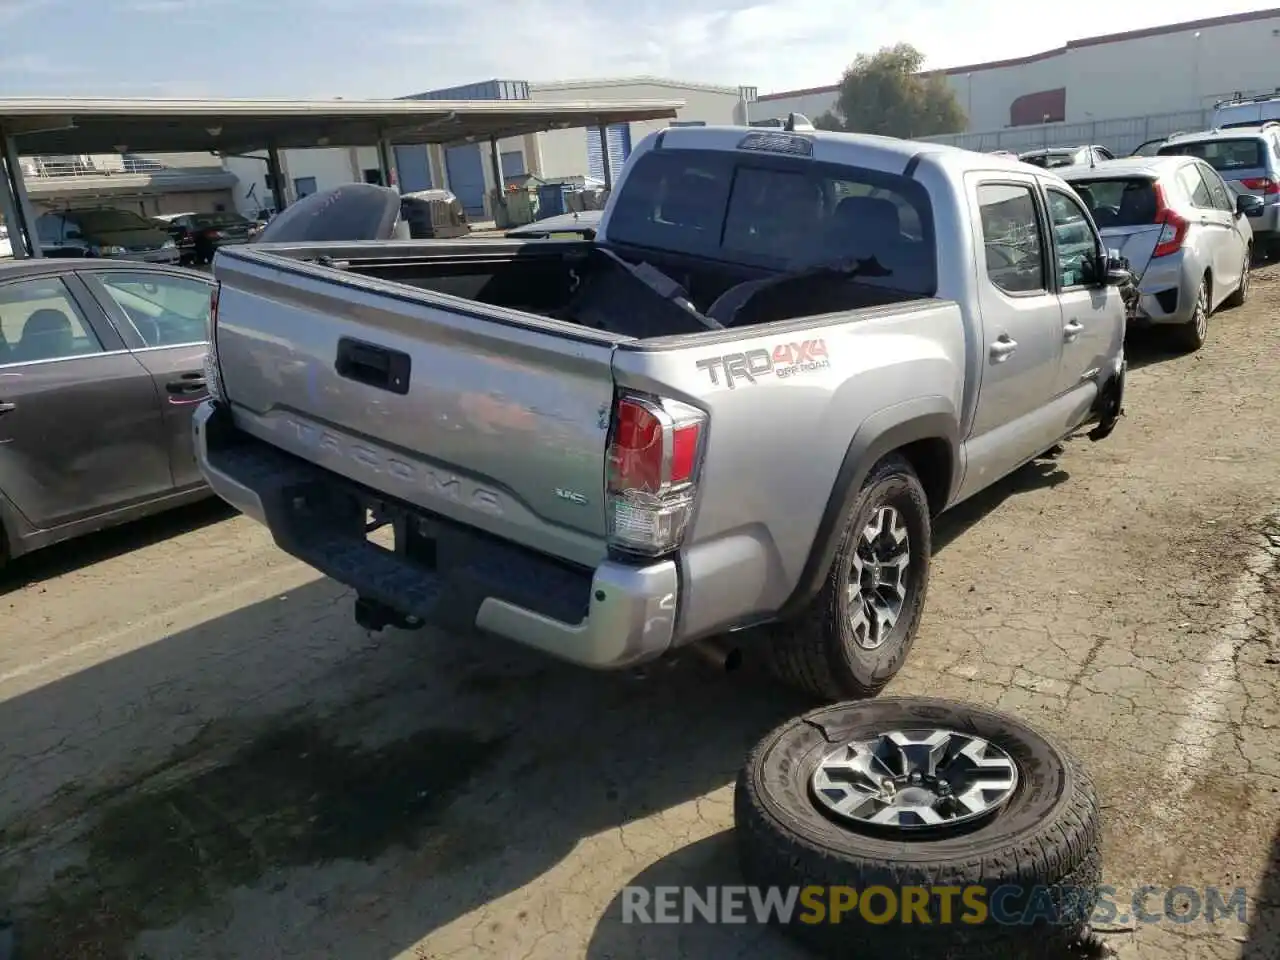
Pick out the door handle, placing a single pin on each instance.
(1003, 347)
(188, 383)
(7, 406)
(1072, 330)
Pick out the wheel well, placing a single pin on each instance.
(931, 459)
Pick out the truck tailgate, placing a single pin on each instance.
(489, 417)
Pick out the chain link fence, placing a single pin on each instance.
(1121, 136)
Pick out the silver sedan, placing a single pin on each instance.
(1185, 233)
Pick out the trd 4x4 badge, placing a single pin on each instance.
(784, 360)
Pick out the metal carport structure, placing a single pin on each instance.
(57, 125)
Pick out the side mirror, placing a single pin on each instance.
(1248, 205)
(1116, 272)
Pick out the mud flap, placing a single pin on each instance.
(1110, 405)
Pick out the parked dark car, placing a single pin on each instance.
(104, 232)
(199, 235)
(101, 366)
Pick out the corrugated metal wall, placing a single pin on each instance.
(619, 137)
(1121, 136)
(488, 90)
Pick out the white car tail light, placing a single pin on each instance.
(655, 450)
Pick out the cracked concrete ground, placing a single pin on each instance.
(203, 757)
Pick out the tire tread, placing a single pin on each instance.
(1062, 855)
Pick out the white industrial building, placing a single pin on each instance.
(467, 170)
(1176, 68)
(1167, 74)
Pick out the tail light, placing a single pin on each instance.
(655, 450)
(1174, 226)
(212, 373)
(1263, 185)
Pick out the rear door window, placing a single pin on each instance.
(1012, 239)
(1218, 191)
(779, 212)
(1193, 186)
(165, 310)
(1122, 202)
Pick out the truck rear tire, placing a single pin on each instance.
(811, 810)
(854, 636)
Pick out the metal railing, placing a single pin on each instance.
(1120, 136)
(49, 168)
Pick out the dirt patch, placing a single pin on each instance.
(293, 797)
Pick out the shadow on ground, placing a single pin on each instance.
(1145, 347)
(277, 771)
(1263, 939)
(708, 863)
(85, 551)
(1036, 475)
(463, 770)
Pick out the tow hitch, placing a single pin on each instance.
(1110, 405)
(376, 616)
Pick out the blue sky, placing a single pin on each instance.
(385, 48)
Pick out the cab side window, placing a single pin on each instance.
(1012, 238)
(40, 321)
(1074, 241)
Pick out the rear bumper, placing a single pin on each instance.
(1166, 293)
(1267, 223)
(614, 616)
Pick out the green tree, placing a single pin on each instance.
(885, 93)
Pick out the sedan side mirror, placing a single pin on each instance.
(1248, 205)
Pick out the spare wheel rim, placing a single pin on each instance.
(924, 780)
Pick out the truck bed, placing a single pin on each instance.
(575, 281)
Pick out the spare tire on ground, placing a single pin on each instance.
(921, 828)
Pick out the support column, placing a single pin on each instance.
(608, 161)
(276, 170)
(9, 211)
(23, 211)
(387, 161)
(499, 182)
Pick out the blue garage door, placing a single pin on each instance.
(466, 178)
(619, 136)
(414, 168)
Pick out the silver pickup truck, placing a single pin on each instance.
(738, 406)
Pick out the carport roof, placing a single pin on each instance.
(64, 125)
